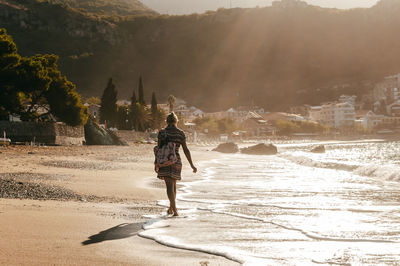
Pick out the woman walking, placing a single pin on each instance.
(170, 174)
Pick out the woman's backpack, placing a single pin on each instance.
(165, 154)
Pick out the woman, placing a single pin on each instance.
(170, 174)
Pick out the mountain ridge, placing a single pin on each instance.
(272, 57)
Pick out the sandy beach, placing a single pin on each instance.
(84, 205)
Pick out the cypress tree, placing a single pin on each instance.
(108, 108)
(141, 92)
(153, 104)
(122, 120)
(133, 112)
(154, 111)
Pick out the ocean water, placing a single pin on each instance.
(296, 208)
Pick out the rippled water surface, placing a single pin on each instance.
(340, 207)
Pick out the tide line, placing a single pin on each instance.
(307, 234)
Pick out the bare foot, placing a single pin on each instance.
(170, 211)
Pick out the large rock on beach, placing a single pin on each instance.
(261, 149)
(318, 149)
(228, 147)
(96, 135)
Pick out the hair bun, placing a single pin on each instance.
(172, 118)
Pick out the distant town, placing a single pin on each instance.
(377, 112)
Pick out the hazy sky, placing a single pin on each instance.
(199, 6)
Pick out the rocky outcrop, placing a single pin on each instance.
(261, 149)
(229, 147)
(96, 135)
(318, 149)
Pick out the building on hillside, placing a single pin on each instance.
(302, 110)
(233, 114)
(387, 90)
(182, 110)
(390, 122)
(276, 116)
(348, 99)
(255, 125)
(335, 115)
(164, 107)
(216, 115)
(371, 121)
(123, 103)
(195, 113)
(393, 109)
(368, 121)
(189, 113)
(244, 110)
(14, 118)
(289, 4)
(239, 114)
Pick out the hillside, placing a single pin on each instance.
(108, 7)
(273, 57)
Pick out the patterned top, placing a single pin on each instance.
(177, 136)
(174, 134)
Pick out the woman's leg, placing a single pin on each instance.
(175, 188)
(169, 182)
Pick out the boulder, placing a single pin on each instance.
(261, 149)
(96, 135)
(318, 149)
(229, 147)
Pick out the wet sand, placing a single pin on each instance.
(84, 205)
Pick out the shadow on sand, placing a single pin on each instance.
(117, 232)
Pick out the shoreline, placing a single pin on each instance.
(81, 231)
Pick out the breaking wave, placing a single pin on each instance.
(383, 172)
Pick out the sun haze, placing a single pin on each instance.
(199, 6)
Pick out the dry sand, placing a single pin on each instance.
(98, 197)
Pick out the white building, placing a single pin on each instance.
(348, 99)
(369, 121)
(393, 109)
(239, 114)
(387, 90)
(189, 113)
(335, 115)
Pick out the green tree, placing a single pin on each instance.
(171, 102)
(141, 117)
(154, 112)
(214, 126)
(108, 108)
(34, 88)
(226, 125)
(93, 100)
(286, 128)
(141, 92)
(10, 101)
(133, 112)
(122, 118)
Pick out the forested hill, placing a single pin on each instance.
(107, 7)
(273, 57)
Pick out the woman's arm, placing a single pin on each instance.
(188, 156)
